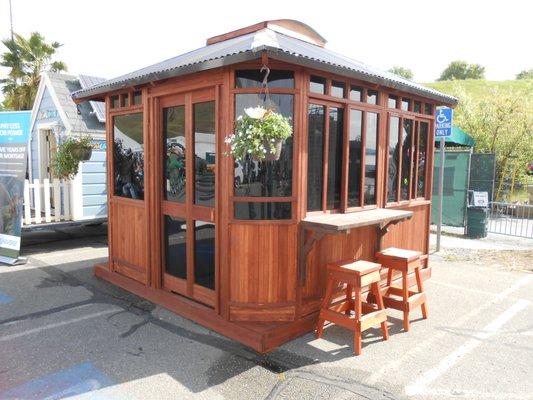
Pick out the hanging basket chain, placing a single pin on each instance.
(264, 87)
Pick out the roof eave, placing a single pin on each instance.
(280, 55)
(99, 92)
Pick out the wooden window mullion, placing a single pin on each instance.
(400, 166)
(325, 160)
(345, 176)
(363, 159)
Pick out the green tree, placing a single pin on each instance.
(525, 74)
(402, 71)
(26, 59)
(501, 123)
(460, 70)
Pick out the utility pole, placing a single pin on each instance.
(11, 19)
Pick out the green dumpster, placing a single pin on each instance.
(476, 222)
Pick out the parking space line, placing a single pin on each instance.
(475, 394)
(465, 288)
(394, 364)
(418, 387)
(56, 325)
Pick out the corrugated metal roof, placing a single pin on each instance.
(247, 47)
(98, 107)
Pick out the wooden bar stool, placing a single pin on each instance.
(356, 275)
(405, 261)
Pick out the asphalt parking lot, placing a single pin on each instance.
(66, 334)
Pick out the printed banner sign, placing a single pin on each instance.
(14, 137)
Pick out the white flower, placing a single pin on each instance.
(255, 112)
(239, 117)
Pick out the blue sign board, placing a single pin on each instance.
(14, 136)
(443, 122)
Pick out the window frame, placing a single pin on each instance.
(413, 167)
(362, 206)
(296, 93)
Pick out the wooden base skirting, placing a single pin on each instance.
(260, 336)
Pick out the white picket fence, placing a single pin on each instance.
(46, 196)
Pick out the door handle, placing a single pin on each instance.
(213, 215)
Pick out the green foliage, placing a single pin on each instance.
(499, 115)
(68, 156)
(26, 59)
(402, 71)
(462, 70)
(257, 132)
(525, 74)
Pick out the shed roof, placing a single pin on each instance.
(248, 47)
(86, 121)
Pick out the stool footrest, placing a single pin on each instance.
(372, 319)
(398, 291)
(338, 319)
(413, 302)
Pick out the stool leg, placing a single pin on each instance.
(358, 312)
(379, 299)
(325, 306)
(349, 289)
(421, 290)
(389, 277)
(405, 296)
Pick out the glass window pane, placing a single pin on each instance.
(125, 100)
(317, 85)
(337, 89)
(265, 178)
(315, 156)
(372, 97)
(354, 159)
(422, 157)
(174, 153)
(393, 101)
(176, 247)
(262, 211)
(407, 164)
(204, 254)
(428, 109)
(371, 161)
(128, 155)
(336, 123)
(114, 102)
(405, 104)
(417, 107)
(254, 77)
(392, 179)
(204, 153)
(137, 98)
(356, 93)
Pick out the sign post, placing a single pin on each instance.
(443, 129)
(14, 136)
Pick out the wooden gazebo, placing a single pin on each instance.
(241, 246)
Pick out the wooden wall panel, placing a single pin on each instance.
(359, 243)
(130, 256)
(410, 234)
(262, 263)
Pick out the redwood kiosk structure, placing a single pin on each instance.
(241, 246)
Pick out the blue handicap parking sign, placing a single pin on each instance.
(443, 122)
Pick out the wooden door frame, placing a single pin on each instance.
(188, 211)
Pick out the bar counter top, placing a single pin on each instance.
(336, 223)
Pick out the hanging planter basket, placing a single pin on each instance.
(259, 134)
(82, 153)
(271, 155)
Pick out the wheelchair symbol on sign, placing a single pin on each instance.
(441, 118)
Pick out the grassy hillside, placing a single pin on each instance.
(478, 89)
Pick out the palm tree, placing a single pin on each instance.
(27, 59)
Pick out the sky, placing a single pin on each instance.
(112, 37)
